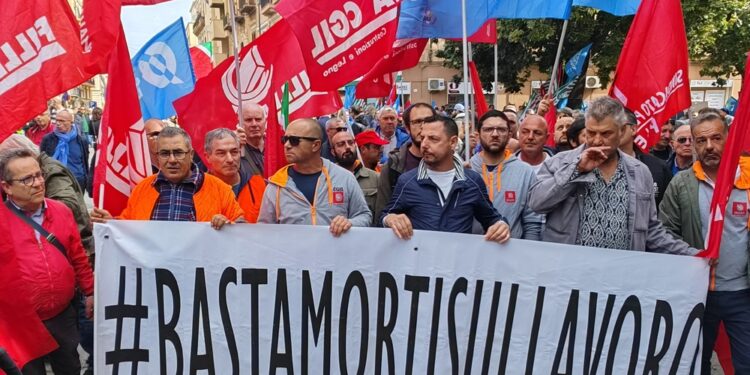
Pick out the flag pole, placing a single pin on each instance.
(236, 63)
(553, 79)
(494, 87)
(466, 75)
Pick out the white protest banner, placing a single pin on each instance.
(176, 298)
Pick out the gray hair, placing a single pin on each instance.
(385, 109)
(218, 134)
(173, 131)
(16, 141)
(706, 117)
(8, 156)
(604, 107)
(333, 121)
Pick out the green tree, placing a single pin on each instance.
(718, 35)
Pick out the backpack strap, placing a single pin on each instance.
(47, 235)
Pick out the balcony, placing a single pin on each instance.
(217, 4)
(199, 24)
(247, 7)
(217, 27)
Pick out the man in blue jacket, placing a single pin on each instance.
(440, 194)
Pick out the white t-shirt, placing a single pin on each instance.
(444, 181)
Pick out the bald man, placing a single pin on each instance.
(532, 136)
(69, 147)
(152, 127)
(252, 136)
(312, 190)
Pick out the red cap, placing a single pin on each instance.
(369, 137)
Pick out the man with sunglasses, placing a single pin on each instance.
(682, 143)
(406, 157)
(180, 191)
(334, 125)
(51, 258)
(312, 190)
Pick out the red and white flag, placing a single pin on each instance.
(40, 57)
(123, 159)
(100, 27)
(378, 81)
(341, 41)
(202, 58)
(652, 73)
(264, 68)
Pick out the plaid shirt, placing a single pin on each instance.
(175, 201)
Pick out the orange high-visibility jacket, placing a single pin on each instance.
(251, 196)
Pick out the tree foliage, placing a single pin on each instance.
(718, 34)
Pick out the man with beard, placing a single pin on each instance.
(508, 179)
(685, 212)
(406, 158)
(597, 196)
(561, 133)
(345, 153)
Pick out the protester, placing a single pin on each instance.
(312, 190)
(345, 153)
(370, 149)
(152, 128)
(576, 134)
(406, 158)
(40, 127)
(180, 191)
(685, 212)
(333, 126)
(67, 146)
(660, 173)
(662, 148)
(388, 130)
(682, 144)
(440, 194)
(507, 179)
(561, 133)
(222, 148)
(600, 180)
(532, 136)
(252, 136)
(51, 267)
(96, 120)
(512, 114)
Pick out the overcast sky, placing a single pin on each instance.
(143, 22)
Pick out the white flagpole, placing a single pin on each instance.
(552, 80)
(466, 76)
(237, 62)
(494, 87)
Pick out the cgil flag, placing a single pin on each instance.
(123, 159)
(651, 78)
(40, 57)
(163, 71)
(100, 27)
(377, 82)
(341, 41)
(202, 57)
(264, 68)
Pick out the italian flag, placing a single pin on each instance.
(203, 58)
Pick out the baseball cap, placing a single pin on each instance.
(369, 137)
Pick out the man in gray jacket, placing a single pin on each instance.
(595, 195)
(312, 190)
(508, 179)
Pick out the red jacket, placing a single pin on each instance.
(49, 277)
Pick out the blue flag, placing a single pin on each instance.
(574, 66)
(349, 91)
(442, 18)
(616, 7)
(731, 106)
(163, 71)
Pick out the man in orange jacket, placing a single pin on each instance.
(179, 192)
(222, 148)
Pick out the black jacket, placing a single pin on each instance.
(660, 172)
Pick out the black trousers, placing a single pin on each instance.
(64, 360)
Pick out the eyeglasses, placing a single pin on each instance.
(294, 140)
(499, 130)
(341, 129)
(683, 140)
(29, 180)
(349, 142)
(153, 135)
(418, 121)
(178, 154)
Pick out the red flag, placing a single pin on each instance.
(273, 155)
(123, 159)
(40, 58)
(202, 61)
(377, 82)
(737, 141)
(652, 72)
(22, 333)
(100, 27)
(341, 41)
(264, 68)
(476, 84)
(392, 95)
(142, 2)
(551, 117)
(486, 34)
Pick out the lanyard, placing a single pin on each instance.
(489, 179)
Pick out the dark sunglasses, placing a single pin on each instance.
(341, 129)
(295, 140)
(683, 140)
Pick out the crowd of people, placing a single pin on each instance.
(401, 171)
